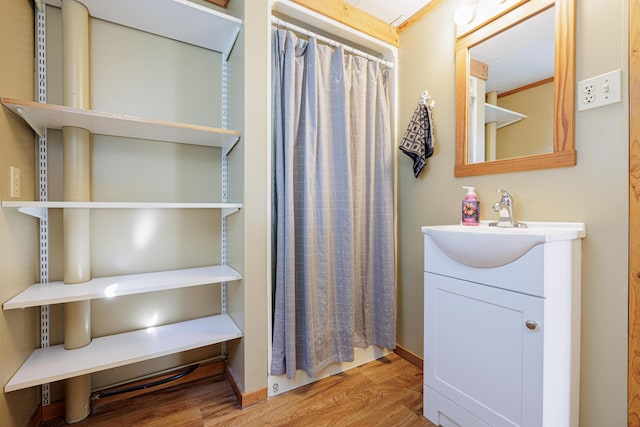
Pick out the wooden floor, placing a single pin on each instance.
(385, 392)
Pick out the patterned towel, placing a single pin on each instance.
(417, 141)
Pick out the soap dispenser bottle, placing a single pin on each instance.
(470, 208)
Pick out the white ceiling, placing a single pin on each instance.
(393, 12)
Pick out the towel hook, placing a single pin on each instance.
(427, 100)
(425, 97)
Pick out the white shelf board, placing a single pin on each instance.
(502, 116)
(179, 20)
(54, 363)
(119, 205)
(115, 286)
(41, 116)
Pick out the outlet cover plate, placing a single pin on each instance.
(599, 90)
(14, 181)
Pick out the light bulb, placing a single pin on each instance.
(464, 14)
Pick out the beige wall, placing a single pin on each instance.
(257, 139)
(18, 233)
(595, 191)
(248, 302)
(533, 135)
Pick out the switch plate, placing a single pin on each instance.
(14, 181)
(599, 90)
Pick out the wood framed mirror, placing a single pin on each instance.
(561, 151)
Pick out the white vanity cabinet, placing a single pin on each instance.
(501, 344)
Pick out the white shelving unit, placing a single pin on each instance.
(186, 22)
(502, 116)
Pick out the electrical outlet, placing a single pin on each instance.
(600, 90)
(588, 89)
(14, 181)
(588, 97)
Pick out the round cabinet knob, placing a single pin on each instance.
(531, 325)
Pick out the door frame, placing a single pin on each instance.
(633, 373)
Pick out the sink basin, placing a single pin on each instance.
(484, 246)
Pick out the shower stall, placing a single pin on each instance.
(333, 199)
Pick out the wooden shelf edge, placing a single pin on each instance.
(46, 365)
(117, 286)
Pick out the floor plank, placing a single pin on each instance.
(385, 392)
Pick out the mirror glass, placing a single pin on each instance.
(511, 92)
(515, 91)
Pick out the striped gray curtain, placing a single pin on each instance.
(333, 198)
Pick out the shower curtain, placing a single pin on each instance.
(333, 199)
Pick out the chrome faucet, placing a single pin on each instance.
(504, 207)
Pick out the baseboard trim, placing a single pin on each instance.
(409, 356)
(56, 409)
(246, 399)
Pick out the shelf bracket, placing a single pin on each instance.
(40, 213)
(229, 147)
(35, 125)
(227, 53)
(229, 211)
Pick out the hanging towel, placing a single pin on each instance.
(417, 141)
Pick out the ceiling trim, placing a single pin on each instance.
(419, 15)
(355, 18)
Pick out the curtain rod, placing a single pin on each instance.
(275, 21)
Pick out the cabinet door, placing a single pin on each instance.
(480, 353)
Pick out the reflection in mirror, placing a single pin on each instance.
(530, 117)
(511, 92)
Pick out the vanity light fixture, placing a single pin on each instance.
(465, 13)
